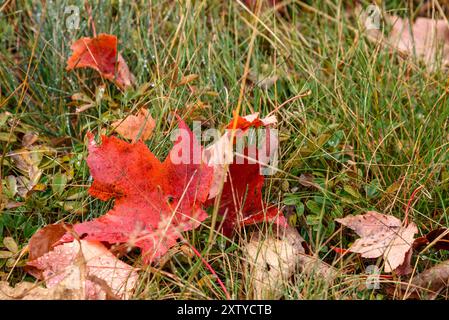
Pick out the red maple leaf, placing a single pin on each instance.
(154, 201)
(241, 200)
(100, 53)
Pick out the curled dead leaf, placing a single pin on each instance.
(437, 239)
(27, 160)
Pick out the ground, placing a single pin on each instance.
(370, 125)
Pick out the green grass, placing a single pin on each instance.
(373, 128)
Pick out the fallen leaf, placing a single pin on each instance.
(426, 285)
(32, 291)
(425, 38)
(10, 244)
(435, 278)
(406, 267)
(221, 152)
(273, 259)
(439, 238)
(29, 138)
(241, 198)
(251, 121)
(27, 160)
(88, 267)
(272, 262)
(100, 53)
(154, 201)
(136, 127)
(42, 242)
(381, 235)
(44, 239)
(308, 180)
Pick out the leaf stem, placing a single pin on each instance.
(409, 204)
(208, 266)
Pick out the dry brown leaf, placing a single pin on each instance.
(93, 270)
(426, 285)
(426, 38)
(437, 239)
(308, 180)
(381, 235)
(434, 279)
(31, 291)
(273, 260)
(406, 267)
(136, 127)
(44, 239)
(27, 160)
(29, 138)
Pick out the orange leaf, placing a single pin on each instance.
(134, 127)
(100, 53)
